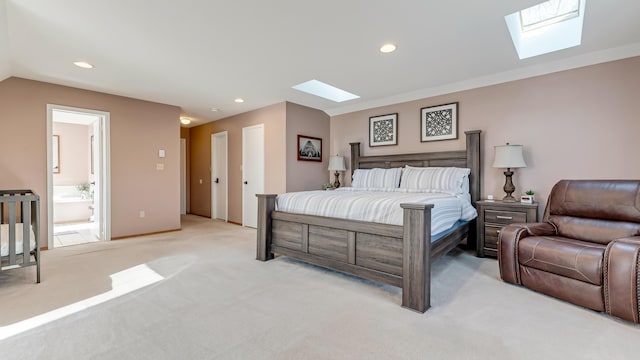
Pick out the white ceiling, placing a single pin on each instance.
(199, 54)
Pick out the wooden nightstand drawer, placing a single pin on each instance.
(504, 217)
(491, 233)
(493, 215)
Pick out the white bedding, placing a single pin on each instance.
(378, 205)
(4, 239)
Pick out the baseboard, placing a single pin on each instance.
(144, 234)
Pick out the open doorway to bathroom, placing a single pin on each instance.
(77, 176)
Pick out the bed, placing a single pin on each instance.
(19, 230)
(399, 255)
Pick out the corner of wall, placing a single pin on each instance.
(303, 120)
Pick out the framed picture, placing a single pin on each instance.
(439, 122)
(309, 148)
(383, 130)
(55, 153)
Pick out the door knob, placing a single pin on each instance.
(245, 183)
(217, 180)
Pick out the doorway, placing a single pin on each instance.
(219, 176)
(252, 172)
(77, 176)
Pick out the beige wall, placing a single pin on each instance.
(74, 154)
(306, 175)
(273, 117)
(138, 130)
(576, 124)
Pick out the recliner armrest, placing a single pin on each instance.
(508, 246)
(621, 278)
(539, 229)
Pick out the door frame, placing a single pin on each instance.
(105, 171)
(262, 153)
(183, 176)
(214, 189)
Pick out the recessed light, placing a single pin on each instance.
(215, 109)
(83, 64)
(239, 100)
(185, 121)
(387, 48)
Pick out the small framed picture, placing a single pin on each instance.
(383, 130)
(309, 148)
(439, 122)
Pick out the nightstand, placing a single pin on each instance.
(493, 215)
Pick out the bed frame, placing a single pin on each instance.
(21, 207)
(397, 255)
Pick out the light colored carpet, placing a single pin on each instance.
(217, 302)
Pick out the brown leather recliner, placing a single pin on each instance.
(586, 250)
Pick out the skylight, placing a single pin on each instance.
(318, 88)
(548, 13)
(547, 27)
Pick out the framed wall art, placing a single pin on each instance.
(309, 148)
(383, 130)
(439, 122)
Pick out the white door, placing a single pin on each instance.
(183, 176)
(96, 183)
(252, 172)
(219, 183)
(100, 177)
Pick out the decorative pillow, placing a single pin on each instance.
(376, 178)
(445, 179)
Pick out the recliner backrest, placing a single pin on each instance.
(595, 210)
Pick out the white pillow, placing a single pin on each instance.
(376, 178)
(445, 179)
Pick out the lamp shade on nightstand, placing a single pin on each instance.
(509, 157)
(336, 163)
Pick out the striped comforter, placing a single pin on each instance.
(380, 206)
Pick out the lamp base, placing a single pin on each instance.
(336, 184)
(508, 188)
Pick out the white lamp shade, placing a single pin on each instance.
(336, 163)
(508, 156)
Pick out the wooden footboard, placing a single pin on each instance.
(396, 255)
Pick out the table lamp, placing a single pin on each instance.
(336, 163)
(509, 157)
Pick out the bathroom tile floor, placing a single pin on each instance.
(72, 234)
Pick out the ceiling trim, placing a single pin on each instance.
(593, 58)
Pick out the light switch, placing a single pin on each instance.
(159, 166)
(161, 153)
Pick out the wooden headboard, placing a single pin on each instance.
(468, 158)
